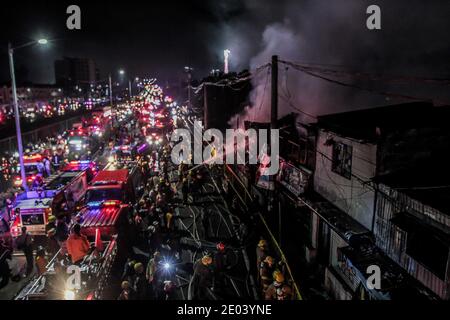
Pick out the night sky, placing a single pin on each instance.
(158, 38)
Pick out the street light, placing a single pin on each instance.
(121, 72)
(16, 105)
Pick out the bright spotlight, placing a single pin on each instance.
(42, 41)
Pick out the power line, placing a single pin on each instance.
(355, 86)
(374, 77)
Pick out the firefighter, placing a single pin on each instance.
(265, 272)
(203, 277)
(261, 253)
(278, 290)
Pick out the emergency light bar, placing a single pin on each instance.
(111, 203)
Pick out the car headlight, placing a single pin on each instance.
(69, 295)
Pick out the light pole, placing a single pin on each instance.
(16, 105)
(129, 88)
(122, 73)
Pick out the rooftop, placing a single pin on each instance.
(367, 124)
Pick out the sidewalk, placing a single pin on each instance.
(12, 288)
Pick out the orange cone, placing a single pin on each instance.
(98, 240)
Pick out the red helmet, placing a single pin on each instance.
(220, 246)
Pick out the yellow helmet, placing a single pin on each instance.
(125, 285)
(138, 267)
(206, 260)
(51, 219)
(278, 276)
(262, 243)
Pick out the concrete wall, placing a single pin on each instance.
(349, 195)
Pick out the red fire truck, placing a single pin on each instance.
(106, 202)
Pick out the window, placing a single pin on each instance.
(342, 160)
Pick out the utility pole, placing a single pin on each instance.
(205, 105)
(274, 101)
(273, 125)
(188, 71)
(189, 89)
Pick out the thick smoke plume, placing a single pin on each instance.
(334, 34)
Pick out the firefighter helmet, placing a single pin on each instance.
(278, 276)
(125, 285)
(139, 267)
(262, 243)
(207, 260)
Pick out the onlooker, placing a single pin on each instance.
(127, 291)
(25, 243)
(77, 245)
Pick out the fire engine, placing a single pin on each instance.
(33, 165)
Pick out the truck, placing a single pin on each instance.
(106, 202)
(59, 196)
(81, 146)
(33, 165)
